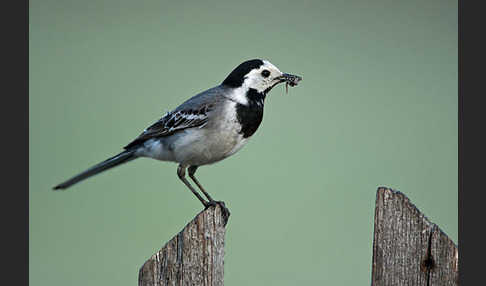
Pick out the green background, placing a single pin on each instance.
(377, 106)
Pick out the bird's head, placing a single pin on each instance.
(258, 76)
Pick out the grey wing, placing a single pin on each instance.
(192, 113)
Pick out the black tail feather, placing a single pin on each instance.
(121, 158)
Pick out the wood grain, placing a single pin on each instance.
(407, 248)
(192, 257)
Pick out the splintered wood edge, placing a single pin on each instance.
(214, 212)
(439, 260)
(389, 193)
(217, 214)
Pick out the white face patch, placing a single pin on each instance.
(256, 80)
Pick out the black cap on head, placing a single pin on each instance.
(236, 77)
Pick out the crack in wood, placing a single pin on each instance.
(180, 259)
(428, 263)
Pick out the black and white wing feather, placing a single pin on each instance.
(174, 121)
(194, 112)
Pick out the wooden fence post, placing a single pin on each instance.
(407, 248)
(192, 257)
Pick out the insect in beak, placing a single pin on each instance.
(289, 79)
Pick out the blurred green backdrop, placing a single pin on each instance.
(377, 106)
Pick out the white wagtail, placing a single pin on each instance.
(205, 129)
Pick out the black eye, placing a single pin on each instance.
(265, 73)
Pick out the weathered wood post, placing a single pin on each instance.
(407, 248)
(192, 257)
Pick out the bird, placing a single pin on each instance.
(206, 128)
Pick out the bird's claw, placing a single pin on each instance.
(225, 213)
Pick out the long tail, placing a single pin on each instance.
(121, 158)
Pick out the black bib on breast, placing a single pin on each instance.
(250, 116)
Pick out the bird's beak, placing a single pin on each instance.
(290, 79)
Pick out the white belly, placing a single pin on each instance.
(199, 146)
(237, 146)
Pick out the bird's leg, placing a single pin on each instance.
(192, 172)
(181, 172)
(224, 209)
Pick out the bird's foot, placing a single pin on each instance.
(225, 213)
